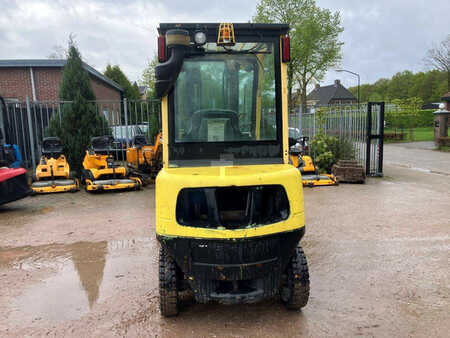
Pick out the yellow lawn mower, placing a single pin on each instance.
(310, 173)
(100, 171)
(53, 172)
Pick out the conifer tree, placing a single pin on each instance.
(79, 120)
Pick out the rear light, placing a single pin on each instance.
(161, 48)
(286, 48)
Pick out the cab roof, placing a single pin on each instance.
(241, 29)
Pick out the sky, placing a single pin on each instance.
(380, 37)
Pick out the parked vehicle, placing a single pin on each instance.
(53, 171)
(100, 172)
(122, 134)
(229, 206)
(13, 181)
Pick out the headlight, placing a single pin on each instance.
(200, 38)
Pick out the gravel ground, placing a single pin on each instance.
(86, 265)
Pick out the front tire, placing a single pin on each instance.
(295, 289)
(168, 284)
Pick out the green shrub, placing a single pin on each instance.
(327, 150)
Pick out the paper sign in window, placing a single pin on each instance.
(216, 130)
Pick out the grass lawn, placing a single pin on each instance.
(419, 134)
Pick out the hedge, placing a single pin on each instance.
(401, 120)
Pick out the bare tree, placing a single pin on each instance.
(59, 52)
(439, 57)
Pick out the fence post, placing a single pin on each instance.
(368, 137)
(30, 129)
(125, 110)
(381, 140)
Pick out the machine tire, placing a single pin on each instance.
(87, 175)
(168, 284)
(295, 290)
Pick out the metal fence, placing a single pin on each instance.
(25, 123)
(362, 125)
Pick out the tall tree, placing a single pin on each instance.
(438, 57)
(116, 74)
(315, 45)
(79, 120)
(429, 86)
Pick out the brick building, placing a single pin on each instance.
(40, 80)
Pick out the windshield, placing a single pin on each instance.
(227, 96)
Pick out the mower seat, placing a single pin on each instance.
(101, 144)
(51, 147)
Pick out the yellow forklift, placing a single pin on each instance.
(229, 212)
(144, 158)
(100, 170)
(53, 171)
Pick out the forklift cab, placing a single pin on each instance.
(229, 209)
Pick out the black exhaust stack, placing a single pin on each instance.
(166, 73)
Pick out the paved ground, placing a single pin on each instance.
(86, 265)
(417, 155)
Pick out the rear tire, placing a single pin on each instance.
(168, 284)
(295, 289)
(86, 174)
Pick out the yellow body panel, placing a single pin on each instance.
(170, 181)
(284, 105)
(51, 167)
(165, 128)
(98, 166)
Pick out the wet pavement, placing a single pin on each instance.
(420, 156)
(86, 265)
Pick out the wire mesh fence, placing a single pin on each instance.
(360, 124)
(26, 123)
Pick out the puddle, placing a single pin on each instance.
(82, 275)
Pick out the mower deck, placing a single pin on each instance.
(114, 184)
(54, 186)
(314, 180)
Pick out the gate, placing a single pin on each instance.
(25, 123)
(361, 125)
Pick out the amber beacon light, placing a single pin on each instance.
(226, 35)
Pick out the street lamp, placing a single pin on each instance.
(347, 71)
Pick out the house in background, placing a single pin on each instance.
(40, 81)
(332, 94)
(143, 92)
